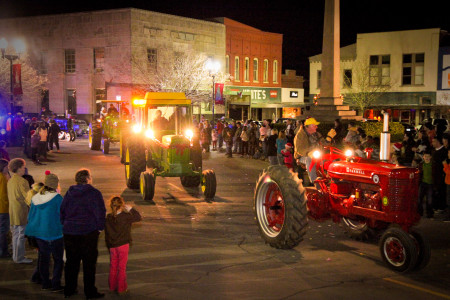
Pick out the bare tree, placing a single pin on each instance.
(176, 72)
(366, 85)
(32, 82)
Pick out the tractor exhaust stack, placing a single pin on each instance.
(385, 139)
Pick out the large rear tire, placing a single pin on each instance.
(209, 184)
(423, 248)
(398, 250)
(105, 146)
(134, 163)
(147, 186)
(280, 208)
(95, 138)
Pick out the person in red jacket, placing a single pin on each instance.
(220, 127)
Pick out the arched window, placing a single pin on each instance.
(236, 69)
(275, 71)
(247, 69)
(266, 71)
(255, 70)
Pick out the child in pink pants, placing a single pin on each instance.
(118, 239)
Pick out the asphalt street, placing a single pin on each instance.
(187, 248)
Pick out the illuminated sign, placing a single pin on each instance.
(293, 94)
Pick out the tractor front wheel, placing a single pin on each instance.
(280, 208)
(398, 250)
(147, 186)
(209, 184)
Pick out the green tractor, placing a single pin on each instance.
(109, 130)
(163, 142)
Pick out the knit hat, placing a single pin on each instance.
(288, 145)
(398, 146)
(51, 180)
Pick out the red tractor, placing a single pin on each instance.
(369, 197)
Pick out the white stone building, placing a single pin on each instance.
(407, 60)
(87, 56)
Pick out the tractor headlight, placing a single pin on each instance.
(349, 153)
(137, 128)
(317, 154)
(150, 133)
(189, 134)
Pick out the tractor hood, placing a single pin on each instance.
(365, 171)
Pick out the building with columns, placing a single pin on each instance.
(87, 56)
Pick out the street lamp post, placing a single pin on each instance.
(213, 67)
(20, 48)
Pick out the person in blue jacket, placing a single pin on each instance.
(83, 214)
(45, 226)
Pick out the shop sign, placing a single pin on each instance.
(293, 94)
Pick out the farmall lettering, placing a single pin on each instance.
(259, 94)
(354, 171)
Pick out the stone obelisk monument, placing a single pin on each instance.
(330, 104)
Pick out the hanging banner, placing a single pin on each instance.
(17, 80)
(219, 93)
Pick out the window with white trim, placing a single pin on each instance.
(379, 70)
(275, 71)
(69, 61)
(247, 69)
(266, 71)
(413, 69)
(255, 70)
(236, 69)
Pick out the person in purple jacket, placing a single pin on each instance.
(83, 216)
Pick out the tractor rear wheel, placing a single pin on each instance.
(95, 138)
(147, 186)
(209, 184)
(357, 229)
(105, 146)
(134, 163)
(190, 181)
(280, 208)
(398, 250)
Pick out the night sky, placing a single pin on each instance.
(301, 23)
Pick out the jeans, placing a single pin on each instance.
(81, 248)
(307, 161)
(4, 228)
(56, 250)
(229, 151)
(426, 191)
(220, 139)
(244, 148)
(118, 268)
(280, 159)
(18, 243)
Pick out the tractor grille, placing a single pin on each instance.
(402, 192)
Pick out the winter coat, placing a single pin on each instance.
(17, 192)
(83, 210)
(35, 139)
(44, 217)
(280, 145)
(4, 204)
(54, 130)
(271, 145)
(118, 228)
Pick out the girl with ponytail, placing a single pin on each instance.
(118, 239)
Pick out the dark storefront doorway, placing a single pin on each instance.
(238, 112)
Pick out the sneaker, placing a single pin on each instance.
(58, 289)
(96, 296)
(25, 261)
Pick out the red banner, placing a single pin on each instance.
(17, 80)
(219, 93)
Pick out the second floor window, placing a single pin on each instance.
(152, 58)
(247, 69)
(266, 71)
(347, 78)
(236, 68)
(99, 59)
(255, 70)
(319, 79)
(275, 71)
(69, 61)
(379, 70)
(227, 65)
(413, 69)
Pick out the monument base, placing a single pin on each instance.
(330, 109)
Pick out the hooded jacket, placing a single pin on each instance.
(83, 210)
(43, 219)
